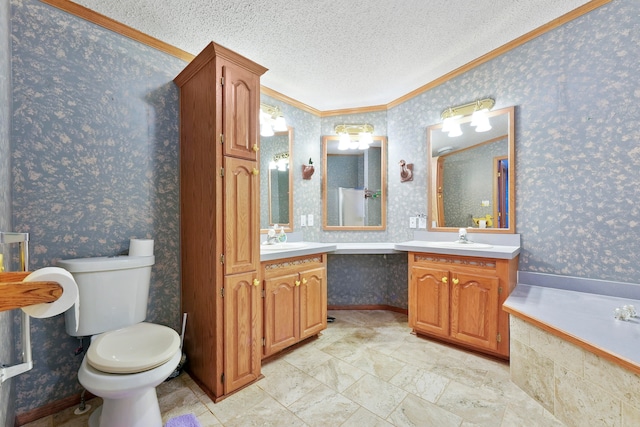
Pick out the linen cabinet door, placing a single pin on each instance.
(429, 300)
(281, 312)
(313, 302)
(242, 330)
(475, 309)
(241, 98)
(241, 216)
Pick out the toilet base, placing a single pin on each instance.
(141, 410)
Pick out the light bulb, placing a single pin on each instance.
(280, 124)
(266, 130)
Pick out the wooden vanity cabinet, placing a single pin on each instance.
(295, 301)
(219, 210)
(459, 299)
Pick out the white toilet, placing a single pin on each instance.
(127, 357)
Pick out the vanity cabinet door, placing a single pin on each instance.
(241, 89)
(242, 317)
(281, 312)
(313, 302)
(474, 309)
(241, 216)
(459, 299)
(429, 300)
(295, 300)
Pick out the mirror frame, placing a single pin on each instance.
(383, 188)
(510, 111)
(289, 226)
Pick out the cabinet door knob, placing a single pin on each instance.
(444, 279)
(304, 281)
(455, 281)
(297, 282)
(256, 282)
(255, 171)
(255, 147)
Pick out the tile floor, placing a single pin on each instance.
(366, 369)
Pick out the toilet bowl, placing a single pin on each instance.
(128, 357)
(124, 367)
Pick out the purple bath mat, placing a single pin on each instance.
(187, 420)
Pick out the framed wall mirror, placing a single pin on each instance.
(276, 181)
(472, 176)
(354, 186)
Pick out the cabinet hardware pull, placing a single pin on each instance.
(297, 282)
(255, 171)
(255, 147)
(256, 282)
(444, 279)
(455, 281)
(304, 281)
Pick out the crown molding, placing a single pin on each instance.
(117, 27)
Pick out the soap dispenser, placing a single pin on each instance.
(282, 236)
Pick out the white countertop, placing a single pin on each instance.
(585, 316)
(495, 251)
(310, 248)
(365, 248)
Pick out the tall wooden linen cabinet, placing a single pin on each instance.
(219, 209)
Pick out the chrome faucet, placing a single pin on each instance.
(462, 235)
(272, 237)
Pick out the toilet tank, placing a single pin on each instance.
(113, 293)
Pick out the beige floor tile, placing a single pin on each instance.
(376, 395)
(366, 369)
(423, 383)
(288, 385)
(267, 413)
(237, 403)
(376, 363)
(179, 402)
(414, 411)
(336, 374)
(479, 406)
(323, 407)
(363, 417)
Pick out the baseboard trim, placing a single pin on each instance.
(369, 307)
(50, 409)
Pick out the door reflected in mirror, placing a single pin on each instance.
(276, 181)
(471, 179)
(354, 186)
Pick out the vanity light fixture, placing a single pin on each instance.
(354, 136)
(271, 120)
(479, 119)
(280, 162)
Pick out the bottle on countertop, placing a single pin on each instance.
(282, 236)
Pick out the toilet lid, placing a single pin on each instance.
(133, 349)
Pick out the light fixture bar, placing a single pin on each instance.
(354, 130)
(271, 110)
(466, 109)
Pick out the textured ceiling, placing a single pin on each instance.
(332, 54)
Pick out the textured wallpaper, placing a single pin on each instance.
(7, 346)
(95, 160)
(94, 163)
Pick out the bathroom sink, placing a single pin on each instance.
(282, 246)
(458, 245)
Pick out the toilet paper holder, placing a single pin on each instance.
(7, 372)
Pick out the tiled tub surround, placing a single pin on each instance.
(569, 352)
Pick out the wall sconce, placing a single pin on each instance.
(406, 171)
(280, 162)
(271, 120)
(354, 136)
(308, 170)
(479, 119)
